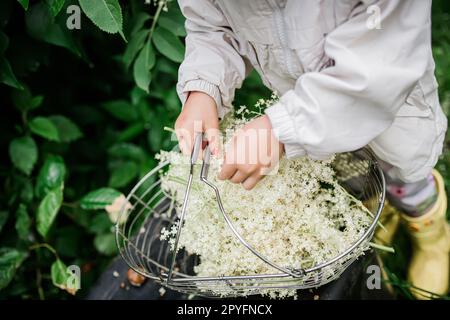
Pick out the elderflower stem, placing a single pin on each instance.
(361, 206)
(169, 129)
(381, 247)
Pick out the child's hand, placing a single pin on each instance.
(199, 114)
(252, 152)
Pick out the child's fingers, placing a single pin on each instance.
(238, 177)
(185, 137)
(228, 170)
(251, 181)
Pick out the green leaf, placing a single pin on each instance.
(137, 95)
(4, 42)
(100, 223)
(172, 25)
(121, 109)
(168, 44)
(105, 14)
(131, 132)
(99, 199)
(23, 99)
(48, 209)
(138, 22)
(122, 173)
(55, 6)
(24, 3)
(61, 277)
(23, 222)
(3, 218)
(26, 191)
(68, 131)
(155, 138)
(59, 273)
(50, 176)
(142, 66)
(7, 75)
(106, 244)
(42, 26)
(10, 261)
(45, 128)
(23, 153)
(136, 43)
(126, 151)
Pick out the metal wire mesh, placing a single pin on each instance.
(138, 238)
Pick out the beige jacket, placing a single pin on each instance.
(345, 80)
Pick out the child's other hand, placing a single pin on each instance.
(251, 154)
(199, 114)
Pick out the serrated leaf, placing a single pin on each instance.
(23, 153)
(23, 222)
(10, 261)
(24, 3)
(121, 109)
(106, 244)
(45, 128)
(99, 199)
(23, 99)
(105, 14)
(7, 75)
(168, 44)
(142, 66)
(61, 277)
(51, 175)
(68, 131)
(55, 6)
(3, 218)
(48, 210)
(134, 45)
(123, 173)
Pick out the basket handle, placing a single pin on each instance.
(194, 156)
(297, 273)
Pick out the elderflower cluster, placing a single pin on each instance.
(299, 217)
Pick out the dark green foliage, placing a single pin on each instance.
(82, 115)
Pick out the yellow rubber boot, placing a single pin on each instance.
(430, 236)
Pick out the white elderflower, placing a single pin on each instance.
(299, 217)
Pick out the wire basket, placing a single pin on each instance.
(150, 209)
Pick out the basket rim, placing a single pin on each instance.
(187, 278)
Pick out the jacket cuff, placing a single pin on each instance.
(284, 130)
(208, 88)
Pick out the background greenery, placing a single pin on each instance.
(82, 115)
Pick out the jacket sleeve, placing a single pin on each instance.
(212, 63)
(345, 106)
